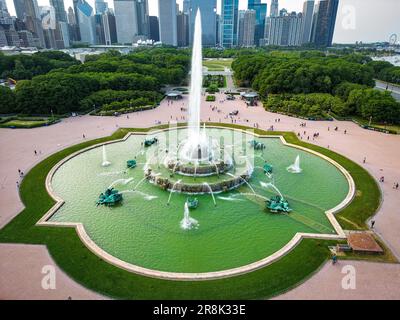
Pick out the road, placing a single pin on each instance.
(394, 89)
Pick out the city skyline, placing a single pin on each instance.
(348, 29)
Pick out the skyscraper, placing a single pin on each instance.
(208, 10)
(3, 5)
(19, 6)
(229, 23)
(261, 14)
(126, 20)
(154, 28)
(183, 29)
(247, 27)
(59, 8)
(101, 6)
(142, 9)
(110, 29)
(86, 22)
(32, 21)
(77, 31)
(167, 21)
(286, 29)
(274, 8)
(324, 22)
(308, 13)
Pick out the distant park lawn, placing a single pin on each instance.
(217, 64)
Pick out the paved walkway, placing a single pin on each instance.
(18, 145)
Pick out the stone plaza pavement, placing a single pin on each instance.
(21, 265)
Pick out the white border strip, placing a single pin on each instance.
(44, 221)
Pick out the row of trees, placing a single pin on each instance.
(312, 84)
(101, 80)
(22, 66)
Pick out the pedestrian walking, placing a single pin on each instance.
(372, 224)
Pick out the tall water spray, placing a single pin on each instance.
(196, 82)
(105, 162)
(295, 167)
(196, 147)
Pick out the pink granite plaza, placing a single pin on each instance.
(21, 265)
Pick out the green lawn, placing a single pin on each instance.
(26, 123)
(393, 128)
(88, 269)
(217, 64)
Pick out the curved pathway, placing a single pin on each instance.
(381, 151)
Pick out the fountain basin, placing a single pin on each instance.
(146, 233)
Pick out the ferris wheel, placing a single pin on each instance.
(393, 39)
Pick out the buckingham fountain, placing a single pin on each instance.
(199, 155)
(195, 198)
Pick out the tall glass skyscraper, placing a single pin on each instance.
(168, 22)
(261, 14)
(59, 8)
(308, 13)
(324, 22)
(208, 20)
(229, 23)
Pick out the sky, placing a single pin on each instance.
(358, 20)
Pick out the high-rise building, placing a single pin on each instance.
(110, 29)
(249, 28)
(324, 22)
(286, 29)
(132, 20)
(32, 21)
(71, 16)
(186, 6)
(142, 9)
(72, 26)
(19, 6)
(99, 27)
(86, 22)
(308, 13)
(208, 9)
(11, 34)
(274, 8)
(154, 28)
(59, 8)
(3, 5)
(183, 29)
(229, 23)
(3, 38)
(167, 21)
(101, 6)
(261, 14)
(78, 32)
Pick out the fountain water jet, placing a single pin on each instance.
(105, 163)
(295, 167)
(212, 193)
(270, 185)
(188, 222)
(172, 190)
(120, 181)
(197, 146)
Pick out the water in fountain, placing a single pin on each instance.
(196, 147)
(212, 193)
(270, 185)
(120, 181)
(105, 163)
(244, 180)
(188, 222)
(295, 167)
(172, 190)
